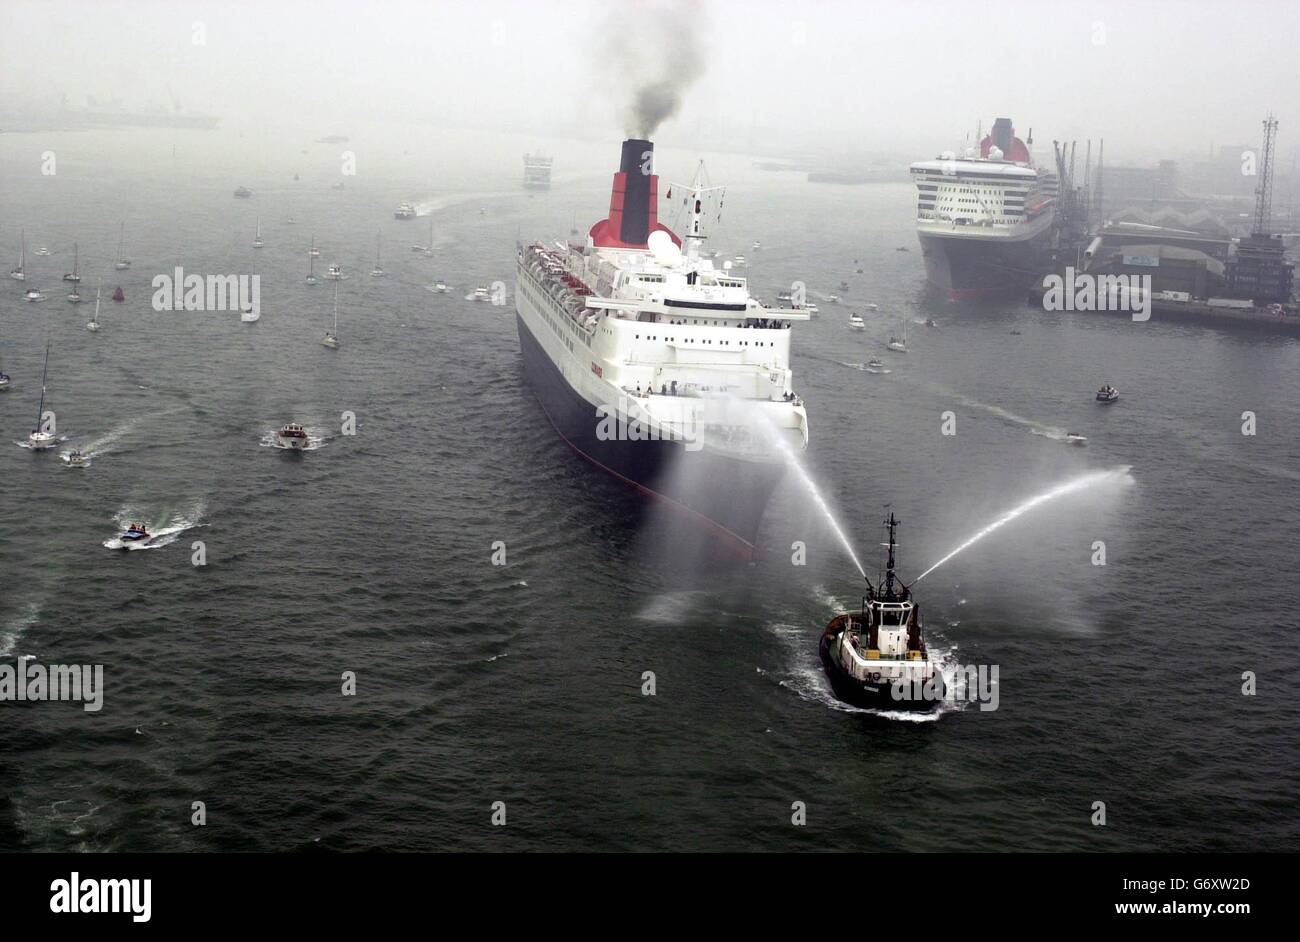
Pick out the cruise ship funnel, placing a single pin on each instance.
(633, 199)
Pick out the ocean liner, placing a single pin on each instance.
(657, 367)
(985, 220)
(537, 172)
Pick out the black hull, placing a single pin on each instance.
(870, 696)
(969, 269)
(725, 497)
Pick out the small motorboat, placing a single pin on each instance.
(1015, 333)
(4, 380)
(844, 287)
(243, 192)
(292, 436)
(1107, 394)
(877, 657)
(137, 534)
(329, 340)
(756, 246)
(249, 316)
(33, 294)
(404, 211)
(334, 273)
(832, 299)
(42, 251)
(856, 322)
(875, 365)
(739, 261)
(480, 293)
(1074, 438)
(873, 306)
(441, 287)
(929, 322)
(118, 296)
(812, 310)
(75, 459)
(902, 248)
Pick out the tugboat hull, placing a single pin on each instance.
(871, 694)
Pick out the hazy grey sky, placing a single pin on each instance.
(1151, 77)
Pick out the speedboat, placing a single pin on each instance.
(441, 287)
(404, 211)
(292, 436)
(1107, 394)
(877, 658)
(137, 534)
(1074, 438)
(786, 296)
(334, 273)
(33, 294)
(809, 308)
(898, 346)
(856, 322)
(75, 459)
(42, 251)
(480, 293)
(377, 272)
(929, 322)
(832, 299)
(873, 306)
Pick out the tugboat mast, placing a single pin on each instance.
(892, 523)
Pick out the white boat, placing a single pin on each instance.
(739, 261)
(832, 299)
(331, 338)
(755, 247)
(249, 316)
(334, 272)
(313, 251)
(33, 294)
(1074, 438)
(257, 235)
(40, 439)
(93, 324)
(873, 306)
(1107, 394)
(404, 211)
(42, 251)
(809, 308)
(74, 276)
(122, 263)
(75, 459)
(897, 345)
(5, 380)
(875, 365)
(311, 269)
(74, 295)
(856, 322)
(480, 293)
(441, 287)
(378, 270)
(292, 435)
(20, 273)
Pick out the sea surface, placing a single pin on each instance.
(523, 683)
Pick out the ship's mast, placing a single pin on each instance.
(697, 193)
(892, 523)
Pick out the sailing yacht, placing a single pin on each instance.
(39, 439)
(122, 262)
(331, 340)
(33, 294)
(20, 273)
(377, 271)
(257, 236)
(314, 252)
(311, 268)
(899, 346)
(73, 276)
(92, 325)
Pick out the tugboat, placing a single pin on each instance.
(292, 436)
(1107, 394)
(135, 535)
(877, 658)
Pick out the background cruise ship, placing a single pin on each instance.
(985, 219)
(657, 367)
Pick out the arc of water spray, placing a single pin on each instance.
(1061, 490)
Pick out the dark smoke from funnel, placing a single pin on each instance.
(654, 55)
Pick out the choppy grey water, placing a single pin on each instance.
(522, 683)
